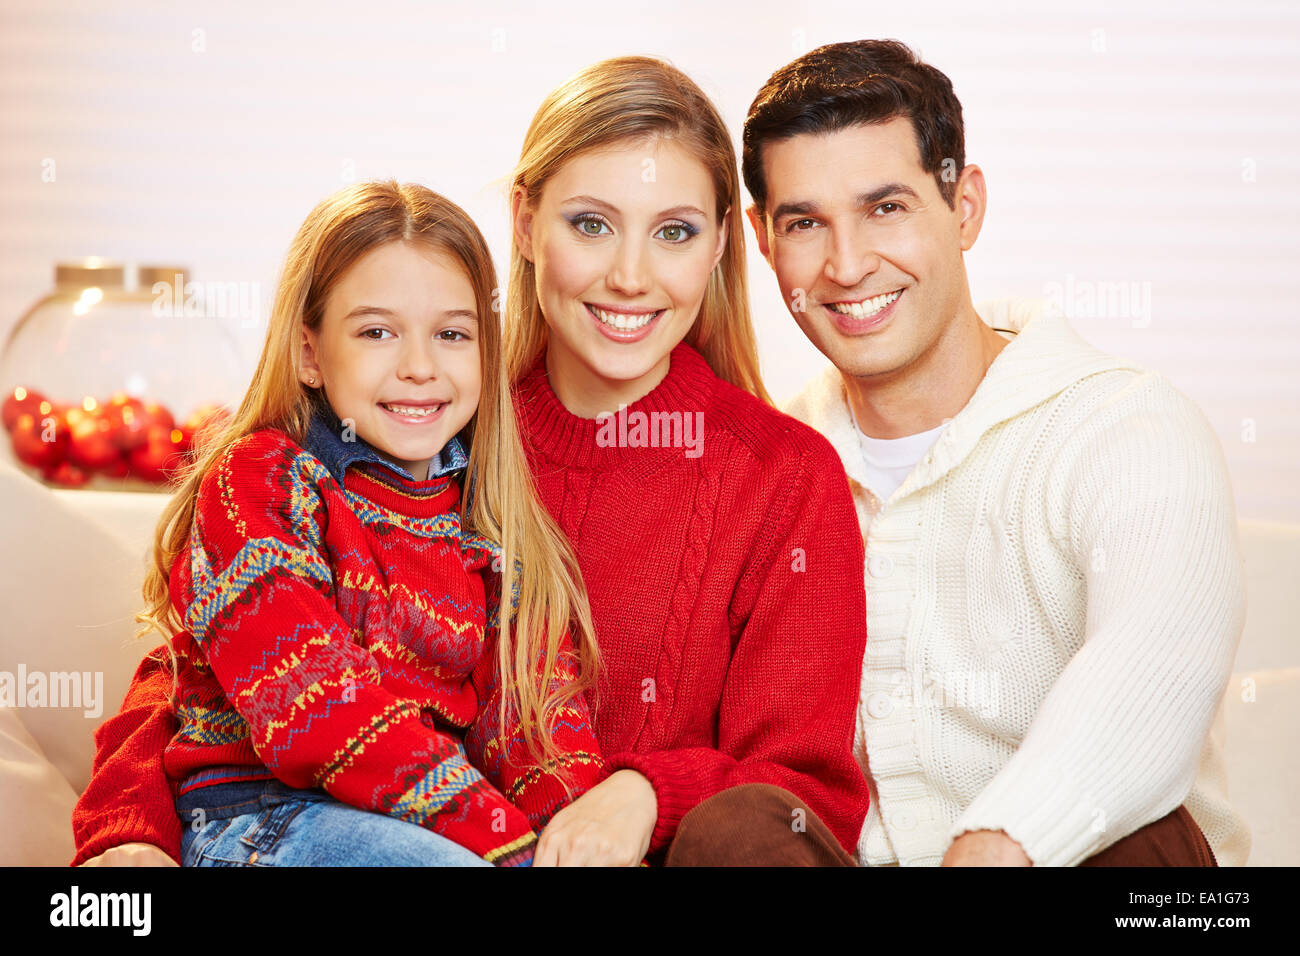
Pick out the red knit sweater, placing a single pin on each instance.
(727, 592)
(344, 638)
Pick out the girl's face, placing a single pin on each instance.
(622, 240)
(398, 351)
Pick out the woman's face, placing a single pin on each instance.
(398, 351)
(623, 240)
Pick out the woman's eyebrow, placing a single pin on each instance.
(613, 210)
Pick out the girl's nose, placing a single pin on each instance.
(418, 362)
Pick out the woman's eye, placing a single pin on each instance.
(677, 232)
(373, 338)
(584, 225)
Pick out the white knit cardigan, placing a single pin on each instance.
(1054, 601)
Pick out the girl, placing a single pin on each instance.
(720, 550)
(337, 604)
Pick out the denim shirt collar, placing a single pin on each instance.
(324, 439)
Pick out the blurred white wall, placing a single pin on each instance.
(1141, 143)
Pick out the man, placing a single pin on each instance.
(1054, 587)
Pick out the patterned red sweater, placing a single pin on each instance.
(343, 638)
(726, 585)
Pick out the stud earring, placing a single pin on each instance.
(311, 380)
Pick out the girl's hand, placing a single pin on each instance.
(131, 854)
(609, 825)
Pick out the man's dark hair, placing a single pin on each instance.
(846, 84)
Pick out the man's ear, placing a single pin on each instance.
(521, 222)
(759, 222)
(309, 372)
(972, 201)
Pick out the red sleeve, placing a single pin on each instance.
(129, 798)
(540, 791)
(262, 591)
(789, 703)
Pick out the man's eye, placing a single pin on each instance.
(888, 208)
(800, 225)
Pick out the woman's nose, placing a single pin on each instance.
(629, 274)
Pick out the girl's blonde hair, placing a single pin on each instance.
(631, 98)
(500, 502)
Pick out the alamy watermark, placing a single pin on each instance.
(624, 429)
(213, 300)
(1101, 299)
(84, 689)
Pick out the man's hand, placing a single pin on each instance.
(131, 854)
(985, 848)
(609, 825)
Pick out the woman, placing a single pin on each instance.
(716, 536)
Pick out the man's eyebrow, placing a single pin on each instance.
(884, 192)
(365, 311)
(606, 207)
(809, 208)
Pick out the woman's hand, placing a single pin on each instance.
(131, 854)
(609, 825)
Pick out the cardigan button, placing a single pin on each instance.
(880, 565)
(880, 705)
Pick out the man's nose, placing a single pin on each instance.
(851, 258)
(629, 274)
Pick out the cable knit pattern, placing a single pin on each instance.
(1055, 599)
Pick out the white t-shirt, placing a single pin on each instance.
(891, 460)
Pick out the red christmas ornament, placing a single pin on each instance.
(21, 401)
(41, 443)
(161, 455)
(66, 474)
(129, 419)
(92, 438)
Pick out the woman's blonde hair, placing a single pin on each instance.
(500, 502)
(631, 98)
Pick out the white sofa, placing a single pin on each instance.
(71, 568)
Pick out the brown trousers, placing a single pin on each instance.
(758, 824)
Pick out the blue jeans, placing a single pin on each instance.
(266, 823)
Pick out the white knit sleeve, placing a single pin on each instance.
(1116, 742)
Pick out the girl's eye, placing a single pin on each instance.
(677, 232)
(584, 223)
(456, 335)
(379, 338)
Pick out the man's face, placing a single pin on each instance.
(867, 253)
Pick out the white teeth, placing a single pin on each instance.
(622, 322)
(412, 410)
(865, 310)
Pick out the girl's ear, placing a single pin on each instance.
(521, 220)
(723, 226)
(309, 372)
